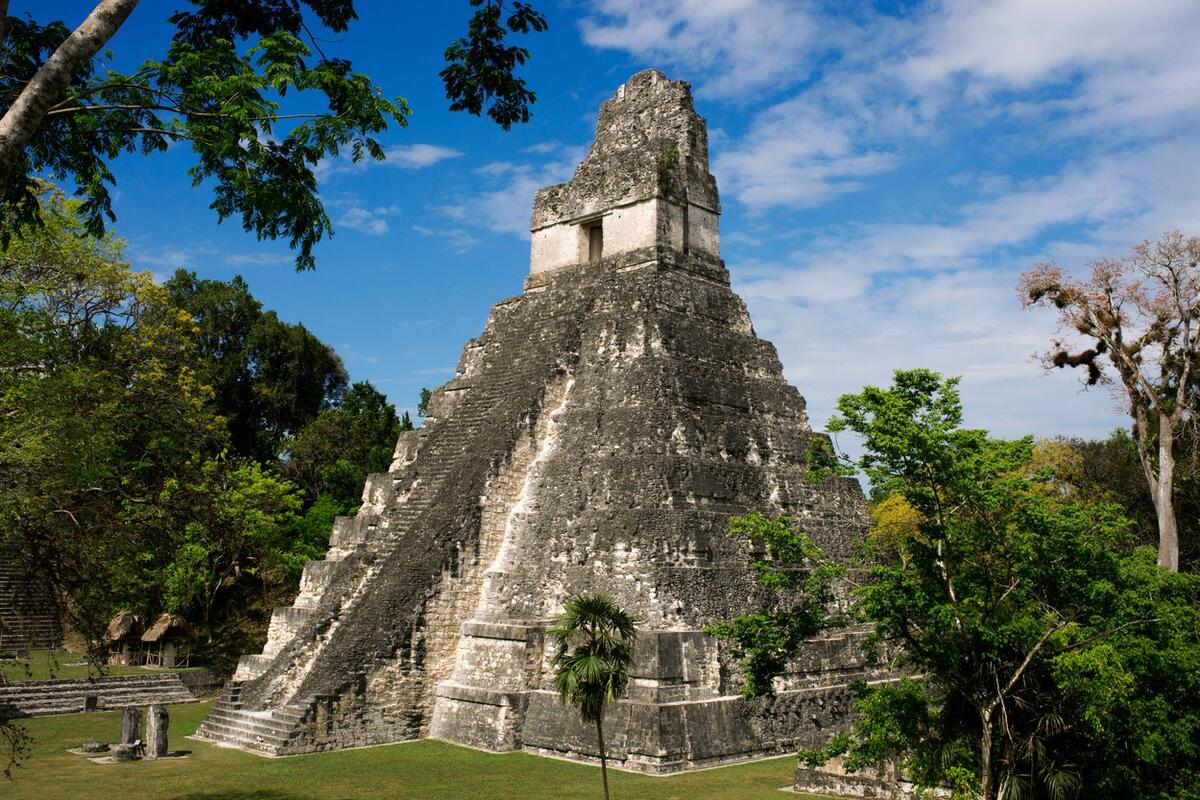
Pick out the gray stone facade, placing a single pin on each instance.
(596, 436)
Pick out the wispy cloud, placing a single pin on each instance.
(457, 239)
(258, 259)
(174, 256)
(410, 156)
(505, 209)
(735, 46)
(372, 221)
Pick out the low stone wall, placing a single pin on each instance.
(834, 781)
(204, 684)
(40, 698)
(668, 737)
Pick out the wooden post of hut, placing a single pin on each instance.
(167, 642)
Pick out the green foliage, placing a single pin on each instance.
(481, 68)
(102, 406)
(1110, 468)
(423, 404)
(225, 88)
(311, 529)
(595, 641)
(1051, 656)
(270, 378)
(334, 453)
(220, 89)
(237, 520)
(118, 475)
(799, 579)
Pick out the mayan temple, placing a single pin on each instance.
(597, 436)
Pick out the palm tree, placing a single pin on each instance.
(595, 652)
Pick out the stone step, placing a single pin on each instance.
(271, 745)
(265, 726)
(85, 686)
(17, 698)
(36, 698)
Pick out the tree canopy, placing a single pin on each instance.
(1143, 315)
(246, 85)
(1045, 656)
(164, 446)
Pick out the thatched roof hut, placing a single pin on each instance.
(168, 626)
(125, 624)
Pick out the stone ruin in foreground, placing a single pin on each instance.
(597, 436)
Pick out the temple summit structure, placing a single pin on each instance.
(597, 436)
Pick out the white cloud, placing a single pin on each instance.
(1019, 43)
(1112, 61)
(544, 148)
(172, 257)
(798, 153)
(258, 259)
(459, 240)
(373, 221)
(863, 301)
(506, 208)
(735, 45)
(408, 156)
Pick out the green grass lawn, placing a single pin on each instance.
(45, 664)
(422, 769)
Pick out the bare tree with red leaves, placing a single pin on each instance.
(1143, 312)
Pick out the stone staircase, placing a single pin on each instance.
(28, 615)
(42, 698)
(268, 732)
(389, 509)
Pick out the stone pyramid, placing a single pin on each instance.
(597, 436)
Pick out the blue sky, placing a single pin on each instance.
(886, 172)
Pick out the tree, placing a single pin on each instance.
(100, 400)
(221, 88)
(116, 480)
(1110, 469)
(333, 455)
(593, 659)
(1143, 312)
(270, 378)
(1030, 629)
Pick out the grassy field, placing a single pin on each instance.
(423, 769)
(44, 664)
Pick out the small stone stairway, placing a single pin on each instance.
(266, 732)
(28, 615)
(40, 698)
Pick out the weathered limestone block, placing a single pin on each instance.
(157, 720)
(131, 724)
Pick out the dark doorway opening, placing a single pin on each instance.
(595, 234)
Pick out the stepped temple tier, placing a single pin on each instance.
(597, 436)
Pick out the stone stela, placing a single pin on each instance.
(597, 436)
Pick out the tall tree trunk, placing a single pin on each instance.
(603, 760)
(1164, 504)
(46, 87)
(986, 782)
